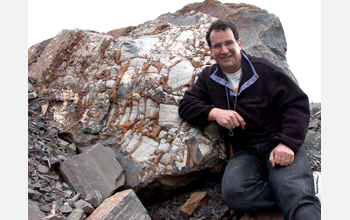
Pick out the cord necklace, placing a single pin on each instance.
(231, 133)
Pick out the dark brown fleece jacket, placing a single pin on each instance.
(270, 102)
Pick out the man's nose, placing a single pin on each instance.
(224, 49)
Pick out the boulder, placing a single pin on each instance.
(122, 91)
(95, 174)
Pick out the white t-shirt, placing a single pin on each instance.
(235, 78)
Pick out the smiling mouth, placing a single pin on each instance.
(226, 58)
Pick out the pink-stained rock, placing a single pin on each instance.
(122, 205)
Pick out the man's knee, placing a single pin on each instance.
(236, 194)
(233, 200)
(240, 182)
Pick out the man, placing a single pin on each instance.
(265, 116)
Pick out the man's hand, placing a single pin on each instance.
(226, 118)
(282, 155)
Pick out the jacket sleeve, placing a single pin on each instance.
(195, 105)
(293, 107)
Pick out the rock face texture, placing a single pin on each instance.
(122, 89)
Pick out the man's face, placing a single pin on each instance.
(226, 50)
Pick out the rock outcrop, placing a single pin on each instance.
(123, 92)
(119, 92)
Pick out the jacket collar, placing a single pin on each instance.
(249, 76)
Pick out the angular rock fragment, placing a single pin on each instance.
(95, 169)
(77, 214)
(43, 169)
(63, 144)
(66, 209)
(94, 198)
(123, 205)
(71, 149)
(44, 208)
(34, 211)
(33, 194)
(76, 197)
(32, 95)
(192, 203)
(85, 206)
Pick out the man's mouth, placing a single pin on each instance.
(226, 58)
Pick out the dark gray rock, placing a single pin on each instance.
(45, 186)
(94, 198)
(30, 87)
(180, 20)
(312, 140)
(66, 209)
(33, 194)
(34, 186)
(71, 149)
(44, 208)
(34, 212)
(85, 206)
(77, 214)
(313, 137)
(53, 132)
(43, 169)
(76, 197)
(95, 169)
(31, 79)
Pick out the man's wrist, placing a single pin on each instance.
(212, 114)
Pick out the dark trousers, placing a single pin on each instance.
(250, 183)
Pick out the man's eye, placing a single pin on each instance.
(229, 43)
(217, 46)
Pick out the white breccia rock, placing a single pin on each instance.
(130, 89)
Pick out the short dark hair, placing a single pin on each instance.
(221, 25)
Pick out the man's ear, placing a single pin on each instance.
(239, 42)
